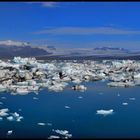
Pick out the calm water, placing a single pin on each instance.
(80, 119)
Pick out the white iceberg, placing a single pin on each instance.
(1, 118)
(10, 118)
(9, 132)
(105, 112)
(67, 107)
(17, 117)
(124, 103)
(63, 132)
(35, 98)
(3, 112)
(132, 99)
(53, 137)
(42, 124)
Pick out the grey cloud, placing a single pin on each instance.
(87, 31)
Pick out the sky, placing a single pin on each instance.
(72, 24)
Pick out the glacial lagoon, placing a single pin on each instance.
(80, 119)
(83, 108)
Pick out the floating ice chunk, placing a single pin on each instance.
(63, 132)
(54, 137)
(3, 112)
(118, 94)
(1, 103)
(3, 97)
(80, 97)
(55, 88)
(67, 107)
(15, 114)
(17, 117)
(35, 98)
(10, 118)
(1, 118)
(9, 132)
(105, 112)
(77, 81)
(137, 76)
(49, 124)
(22, 91)
(101, 93)
(79, 87)
(124, 103)
(2, 88)
(132, 98)
(42, 124)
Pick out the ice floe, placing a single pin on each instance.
(53, 137)
(3, 97)
(9, 132)
(42, 124)
(132, 99)
(105, 112)
(3, 112)
(124, 103)
(35, 98)
(25, 75)
(49, 124)
(10, 118)
(67, 107)
(63, 133)
(80, 97)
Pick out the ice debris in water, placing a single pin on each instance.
(3, 97)
(63, 132)
(53, 137)
(67, 107)
(1, 118)
(124, 103)
(42, 124)
(105, 112)
(1, 103)
(3, 112)
(132, 98)
(9, 132)
(10, 118)
(118, 94)
(49, 124)
(15, 117)
(80, 97)
(35, 98)
(25, 75)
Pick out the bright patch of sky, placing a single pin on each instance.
(72, 24)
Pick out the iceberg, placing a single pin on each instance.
(42, 124)
(53, 137)
(9, 132)
(105, 112)
(3, 112)
(10, 118)
(63, 132)
(132, 98)
(67, 107)
(124, 103)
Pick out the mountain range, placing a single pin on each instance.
(9, 49)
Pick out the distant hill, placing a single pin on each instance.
(111, 49)
(9, 49)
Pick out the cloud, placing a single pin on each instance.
(49, 4)
(45, 4)
(87, 31)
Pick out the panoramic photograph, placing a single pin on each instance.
(69, 70)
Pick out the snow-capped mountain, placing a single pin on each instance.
(14, 43)
(9, 48)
